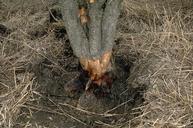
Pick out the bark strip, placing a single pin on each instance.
(110, 18)
(95, 28)
(76, 34)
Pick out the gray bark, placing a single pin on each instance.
(98, 37)
(110, 18)
(76, 34)
(95, 28)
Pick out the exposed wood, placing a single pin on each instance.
(91, 36)
(91, 1)
(91, 27)
(96, 67)
(83, 15)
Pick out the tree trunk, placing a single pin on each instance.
(91, 27)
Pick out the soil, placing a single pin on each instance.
(53, 107)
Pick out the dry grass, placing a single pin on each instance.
(160, 31)
(166, 46)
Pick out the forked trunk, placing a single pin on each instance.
(91, 27)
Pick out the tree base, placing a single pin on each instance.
(100, 88)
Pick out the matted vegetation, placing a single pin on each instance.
(154, 39)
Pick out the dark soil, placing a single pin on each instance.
(4, 32)
(53, 106)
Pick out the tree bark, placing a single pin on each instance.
(93, 41)
(76, 34)
(91, 28)
(95, 28)
(109, 21)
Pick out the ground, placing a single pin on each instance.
(152, 62)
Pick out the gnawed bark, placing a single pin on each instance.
(91, 27)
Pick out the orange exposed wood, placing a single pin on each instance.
(96, 67)
(82, 11)
(83, 15)
(84, 19)
(91, 1)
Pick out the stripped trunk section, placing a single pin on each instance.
(91, 27)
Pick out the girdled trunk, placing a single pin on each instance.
(91, 27)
